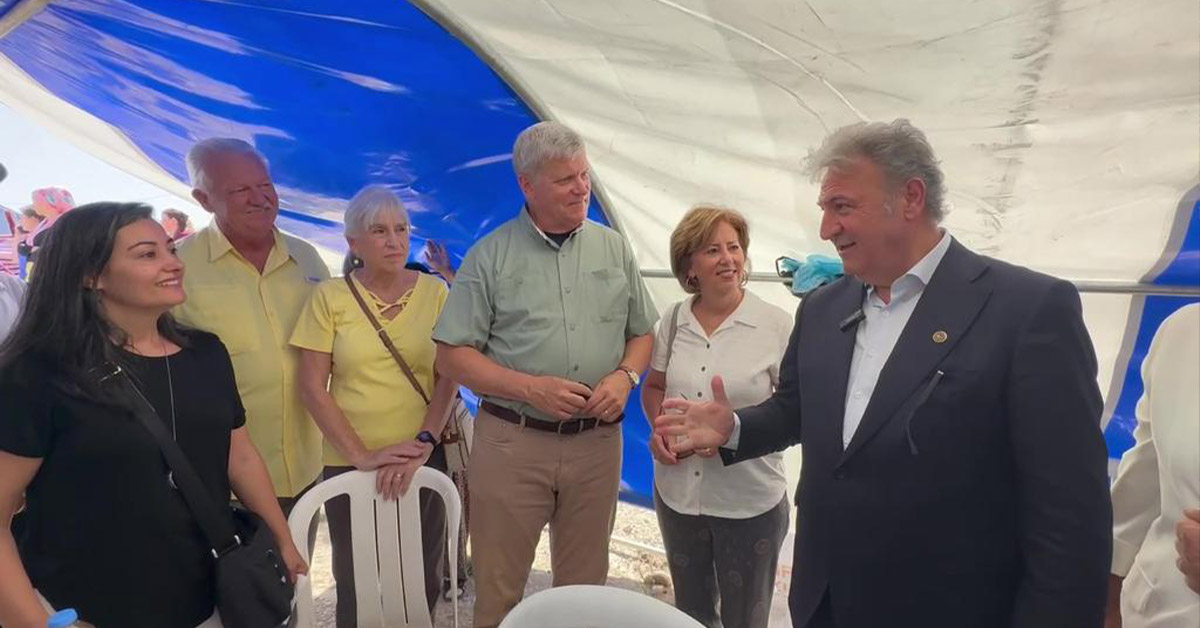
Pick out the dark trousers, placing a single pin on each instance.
(727, 561)
(433, 541)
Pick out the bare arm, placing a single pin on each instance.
(315, 367)
(19, 605)
(654, 390)
(560, 398)
(393, 480)
(439, 405)
(637, 352)
(476, 371)
(251, 483)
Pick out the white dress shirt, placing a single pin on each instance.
(1158, 478)
(745, 351)
(12, 293)
(877, 334)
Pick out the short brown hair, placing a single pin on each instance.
(694, 231)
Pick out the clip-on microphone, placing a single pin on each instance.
(852, 321)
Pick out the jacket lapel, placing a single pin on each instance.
(837, 349)
(948, 306)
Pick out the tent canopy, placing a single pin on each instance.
(1069, 131)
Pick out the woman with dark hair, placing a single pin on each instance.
(103, 530)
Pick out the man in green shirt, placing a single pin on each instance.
(549, 321)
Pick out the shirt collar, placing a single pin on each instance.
(917, 277)
(527, 220)
(749, 313)
(219, 245)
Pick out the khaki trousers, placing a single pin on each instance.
(521, 479)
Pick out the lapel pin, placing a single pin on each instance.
(940, 336)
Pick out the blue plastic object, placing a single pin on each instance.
(63, 618)
(816, 271)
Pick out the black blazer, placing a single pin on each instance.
(973, 498)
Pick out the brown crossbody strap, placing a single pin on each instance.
(387, 341)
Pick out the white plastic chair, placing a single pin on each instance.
(389, 579)
(591, 606)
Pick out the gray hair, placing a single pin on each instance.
(542, 142)
(900, 149)
(367, 205)
(202, 152)
(365, 208)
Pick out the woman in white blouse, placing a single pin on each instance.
(722, 526)
(1156, 495)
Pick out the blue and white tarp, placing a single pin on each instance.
(1069, 130)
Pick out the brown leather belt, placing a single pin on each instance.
(573, 426)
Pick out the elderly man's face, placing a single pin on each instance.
(867, 221)
(240, 195)
(558, 192)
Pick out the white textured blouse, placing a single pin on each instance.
(745, 351)
(1158, 479)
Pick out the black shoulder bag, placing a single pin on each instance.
(253, 589)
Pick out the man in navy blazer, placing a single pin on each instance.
(954, 470)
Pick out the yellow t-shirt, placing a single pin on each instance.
(367, 384)
(254, 313)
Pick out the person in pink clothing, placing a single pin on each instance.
(49, 203)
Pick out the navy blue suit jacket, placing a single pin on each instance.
(978, 500)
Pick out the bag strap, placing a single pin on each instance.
(218, 530)
(385, 339)
(671, 333)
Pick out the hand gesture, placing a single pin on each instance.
(438, 258)
(706, 425)
(1187, 545)
(557, 397)
(393, 480)
(609, 397)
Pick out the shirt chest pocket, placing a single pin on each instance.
(229, 313)
(607, 292)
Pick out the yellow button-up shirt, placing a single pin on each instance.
(254, 315)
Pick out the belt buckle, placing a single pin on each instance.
(559, 429)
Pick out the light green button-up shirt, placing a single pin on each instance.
(534, 307)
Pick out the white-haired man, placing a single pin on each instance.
(247, 282)
(549, 320)
(954, 469)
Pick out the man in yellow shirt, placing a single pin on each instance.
(247, 283)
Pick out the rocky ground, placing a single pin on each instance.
(630, 568)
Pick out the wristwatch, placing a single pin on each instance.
(425, 436)
(634, 378)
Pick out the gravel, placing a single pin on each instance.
(629, 568)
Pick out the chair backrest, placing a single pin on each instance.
(591, 606)
(389, 579)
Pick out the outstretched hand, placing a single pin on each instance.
(706, 425)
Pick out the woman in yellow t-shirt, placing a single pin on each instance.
(372, 416)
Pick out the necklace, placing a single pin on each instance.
(171, 394)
